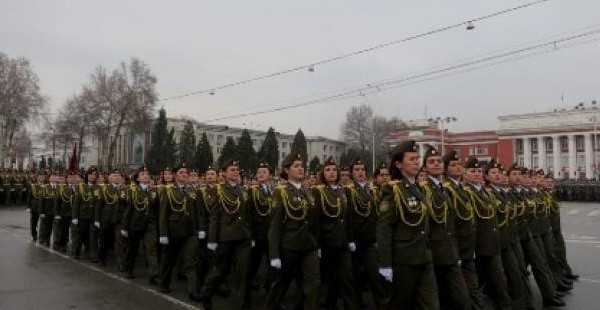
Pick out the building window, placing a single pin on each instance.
(564, 160)
(549, 161)
(282, 154)
(520, 160)
(283, 145)
(519, 145)
(564, 144)
(219, 139)
(534, 145)
(331, 149)
(535, 162)
(324, 158)
(218, 150)
(478, 150)
(549, 145)
(324, 147)
(579, 143)
(580, 160)
(337, 149)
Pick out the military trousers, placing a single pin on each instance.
(304, 267)
(133, 240)
(205, 264)
(107, 241)
(60, 238)
(414, 287)
(542, 276)
(84, 234)
(469, 272)
(231, 253)
(336, 275)
(186, 246)
(491, 273)
(560, 251)
(452, 289)
(46, 221)
(152, 253)
(514, 279)
(259, 253)
(34, 217)
(366, 271)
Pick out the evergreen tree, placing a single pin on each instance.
(155, 158)
(344, 161)
(246, 153)
(43, 164)
(228, 152)
(170, 149)
(187, 144)
(204, 156)
(313, 166)
(269, 151)
(299, 145)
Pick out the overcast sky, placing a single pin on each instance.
(195, 45)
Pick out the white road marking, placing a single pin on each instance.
(573, 212)
(594, 213)
(120, 279)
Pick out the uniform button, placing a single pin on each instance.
(342, 220)
(422, 232)
(239, 218)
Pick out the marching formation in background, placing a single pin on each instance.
(438, 232)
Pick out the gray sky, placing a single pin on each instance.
(195, 45)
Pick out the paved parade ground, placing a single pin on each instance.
(34, 277)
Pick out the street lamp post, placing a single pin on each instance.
(441, 121)
(594, 120)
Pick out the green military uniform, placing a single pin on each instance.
(294, 244)
(151, 236)
(177, 230)
(49, 193)
(488, 249)
(33, 203)
(260, 213)
(230, 229)
(107, 214)
(336, 238)
(62, 216)
(135, 222)
(207, 195)
(559, 241)
(82, 217)
(362, 218)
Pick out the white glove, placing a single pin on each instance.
(97, 224)
(212, 246)
(75, 221)
(124, 233)
(351, 246)
(163, 240)
(42, 215)
(253, 243)
(276, 263)
(57, 217)
(387, 274)
(201, 235)
(319, 253)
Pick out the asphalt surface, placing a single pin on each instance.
(34, 277)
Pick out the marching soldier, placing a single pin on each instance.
(177, 229)
(230, 237)
(452, 290)
(207, 200)
(496, 179)
(83, 229)
(260, 212)
(402, 234)
(294, 237)
(34, 203)
(381, 177)
(62, 213)
(135, 219)
(106, 214)
(336, 238)
(362, 219)
(489, 262)
(464, 226)
(49, 193)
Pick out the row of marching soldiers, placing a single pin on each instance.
(443, 241)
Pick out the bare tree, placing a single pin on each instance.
(120, 100)
(20, 100)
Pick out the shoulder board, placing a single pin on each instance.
(254, 186)
(392, 183)
(320, 186)
(351, 185)
(281, 186)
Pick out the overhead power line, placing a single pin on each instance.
(311, 66)
(470, 65)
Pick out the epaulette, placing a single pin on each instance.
(393, 182)
(351, 185)
(254, 186)
(320, 186)
(282, 186)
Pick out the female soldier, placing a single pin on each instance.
(335, 237)
(293, 236)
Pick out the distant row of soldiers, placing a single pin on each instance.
(440, 242)
(571, 190)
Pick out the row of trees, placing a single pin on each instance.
(20, 102)
(166, 151)
(110, 104)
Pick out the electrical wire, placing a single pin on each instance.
(470, 65)
(351, 54)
